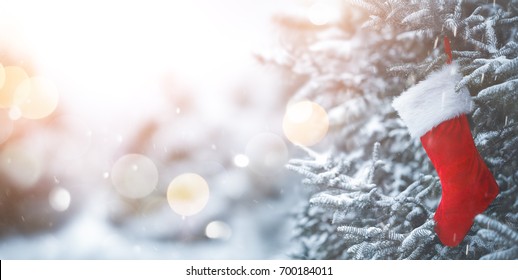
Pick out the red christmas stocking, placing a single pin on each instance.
(433, 111)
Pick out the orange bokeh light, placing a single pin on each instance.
(14, 76)
(188, 194)
(305, 123)
(36, 98)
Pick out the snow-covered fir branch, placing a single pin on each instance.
(367, 218)
(355, 212)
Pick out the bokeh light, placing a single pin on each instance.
(14, 76)
(188, 194)
(20, 165)
(134, 176)
(6, 126)
(36, 98)
(322, 12)
(15, 113)
(218, 230)
(305, 123)
(267, 153)
(2, 75)
(59, 199)
(241, 160)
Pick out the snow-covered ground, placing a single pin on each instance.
(258, 233)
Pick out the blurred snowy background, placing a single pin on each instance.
(104, 105)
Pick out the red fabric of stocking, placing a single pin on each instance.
(468, 187)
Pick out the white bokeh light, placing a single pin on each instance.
(15, 113)
(241, 160)
(20, 165)
(134, 176)
(59, 199)
(300, 112)
(322, 12)
(218, 230)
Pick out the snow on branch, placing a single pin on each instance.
(496, 226)
(370, 222)
(505, 236)
(507, 91)
(361, 207)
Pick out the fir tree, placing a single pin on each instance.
(374, 190)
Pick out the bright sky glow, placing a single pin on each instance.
(115, 56)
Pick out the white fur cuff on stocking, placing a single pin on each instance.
(433, 101)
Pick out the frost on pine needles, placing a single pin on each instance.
(382, 206)
(371, 223)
